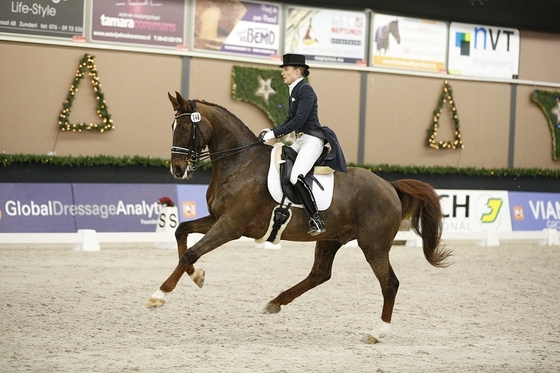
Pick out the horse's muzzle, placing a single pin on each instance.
(181, 172)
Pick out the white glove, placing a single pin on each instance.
(266, 135)
(269, 136)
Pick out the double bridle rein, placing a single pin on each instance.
(194, 158)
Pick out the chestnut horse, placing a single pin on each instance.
(364, 207)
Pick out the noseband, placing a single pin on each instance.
(190, 152)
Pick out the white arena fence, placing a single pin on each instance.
(90, 240)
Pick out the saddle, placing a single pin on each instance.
(283, 161)
(286, 164)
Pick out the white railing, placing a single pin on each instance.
(487, 238)
(89, 240)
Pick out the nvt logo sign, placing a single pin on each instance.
(483, 39)
(463, 41)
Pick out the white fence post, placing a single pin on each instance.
(88, 241)
(551, 238)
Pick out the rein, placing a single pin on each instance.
(198, 158)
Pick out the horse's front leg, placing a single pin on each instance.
(182, 232)
(219, 234)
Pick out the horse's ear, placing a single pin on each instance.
(173, 100)
(184, 104)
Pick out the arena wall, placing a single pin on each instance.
(399, 105)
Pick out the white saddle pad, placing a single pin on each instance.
(323, 197)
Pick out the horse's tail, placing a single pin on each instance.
(421, 202)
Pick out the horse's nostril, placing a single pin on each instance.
(177, 171)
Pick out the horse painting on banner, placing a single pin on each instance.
(382, 34)
(364, 207)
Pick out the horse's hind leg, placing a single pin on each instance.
(325, 252)
(378, 258)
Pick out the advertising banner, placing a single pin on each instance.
(191, 201)
(69, 207)
(475, 210)
(483, 51)
(52, 18)
(120, 207)
(242, 27)
(147, 22)
(36, 208)
(534, 211)
(408, 43)
(333, 36)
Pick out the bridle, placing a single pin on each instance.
(195, 158)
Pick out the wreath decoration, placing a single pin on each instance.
(550, 105)
(457, 142)
(263, 88)
(86, 64)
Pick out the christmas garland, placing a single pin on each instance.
(87, 63)
(7, 160)
(550, 106)
(263, 88)
(446, 97)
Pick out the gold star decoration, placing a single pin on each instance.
(265, 89)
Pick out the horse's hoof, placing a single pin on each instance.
(198, 277)
(271, 308)
(155, 303)
(370, 339)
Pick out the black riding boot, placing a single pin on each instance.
(316, 225)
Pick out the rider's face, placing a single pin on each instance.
(290, 74)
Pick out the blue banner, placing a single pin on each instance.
(534, 211)
(36, 208)
(65, 208)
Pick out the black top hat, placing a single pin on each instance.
(291, 59)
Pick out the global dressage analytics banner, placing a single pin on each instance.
(31, 207)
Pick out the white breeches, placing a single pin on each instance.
(309, 149)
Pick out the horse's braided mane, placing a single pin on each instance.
(222, 109)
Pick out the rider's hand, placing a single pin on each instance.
(266, 135)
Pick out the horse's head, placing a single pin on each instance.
(191, 133)
(394, 29)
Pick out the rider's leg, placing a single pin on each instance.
(316, 225)
(309, 149)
